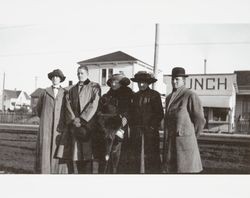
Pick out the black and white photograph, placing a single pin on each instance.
(134, 92)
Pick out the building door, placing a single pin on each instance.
(106, 74)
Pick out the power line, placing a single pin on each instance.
(14, 26)
(72, 51)
(130, 47)
(210, 43)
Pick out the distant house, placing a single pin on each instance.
(34, 98)
(36, 94)
(102, 67)
(13, 100)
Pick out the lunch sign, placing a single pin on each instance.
(208, 84)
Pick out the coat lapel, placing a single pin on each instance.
(81, 92)
(60, 93)
(75, 98)
(75, 91)
(168, 102)
(174, 98)
(50, 92)
(84, 96)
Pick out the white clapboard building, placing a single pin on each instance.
(13, 100)
(102, 67)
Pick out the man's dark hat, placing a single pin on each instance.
(122, 79)
(56, 72)
(178, 72)
(143, 76)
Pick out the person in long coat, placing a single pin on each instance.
(113, 119)
(80, 106)
(49, 111)
(184, 121)
(146, 114)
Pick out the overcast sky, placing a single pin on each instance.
(32, 48)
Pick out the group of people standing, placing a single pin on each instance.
(120, 129)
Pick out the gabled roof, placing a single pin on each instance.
(118, 56)
(112, 57)
(243, 82)
(11, 93)
(15, 94)
(26, 95)
(36, 93)
(243, 77)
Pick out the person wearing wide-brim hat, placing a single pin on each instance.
(146, 115)
(113, 119)
(184, 120)
(49, 110)
(56, 72)
(119, 78)
(143, 76)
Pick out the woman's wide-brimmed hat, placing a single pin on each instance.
(143, 76)
(121, 78)
(56, 72)
(178, 72)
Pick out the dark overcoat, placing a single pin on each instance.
(145, 116)
(82, 104)
(184, 120)
(49, 111)
(113, 108)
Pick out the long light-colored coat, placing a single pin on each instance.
(184, 120)
(49, 111)
(81, 104)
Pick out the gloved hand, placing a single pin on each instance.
(106, 157)
(120, 133)
(77, 122)
(124, 121)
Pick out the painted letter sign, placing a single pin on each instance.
(208, 84)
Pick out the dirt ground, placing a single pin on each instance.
(18, 144)
(17, 152)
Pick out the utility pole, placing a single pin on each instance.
(205, 66)
(3, 91)
(35, 82)
(156, 53)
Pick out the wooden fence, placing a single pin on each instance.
(18, 118)
(242, 126)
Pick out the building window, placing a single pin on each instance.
(106, 74)
(220, 114)
(206, 115)
(217, 119)
(110, 73)
(245, 105)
